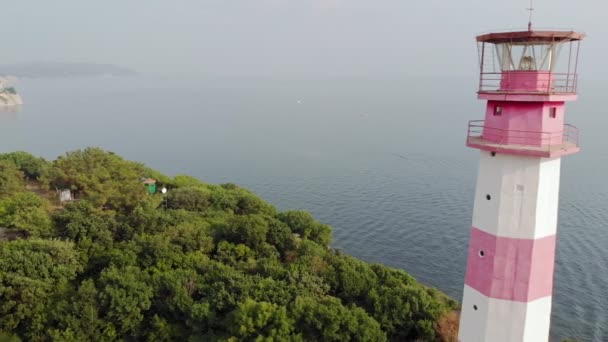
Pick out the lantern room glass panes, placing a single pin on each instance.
(529, 66)
(527, 56)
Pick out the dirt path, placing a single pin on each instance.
(35, 187)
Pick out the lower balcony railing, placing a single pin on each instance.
(530, 142)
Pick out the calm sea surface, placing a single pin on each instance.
(382, 161)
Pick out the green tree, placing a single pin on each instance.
(189, 198)
(88, 226)
(280, 236)
(146, 217)
(77, 316)
(32, 167)
(236, 200)
(250, 230)
(233, 255)
(307, 284)
(185, 181)
(222, 199)
(260, 321)
(26, 214)
(248, 203)
(121, 256)
(161, 329)
(6, 337)
(302, 223)
(179, 301)
(191, 236)
(405, 312)
(102, 177)
(350, 279)
(328, 320)
(30, 273)
(124, 294)
(11, 178)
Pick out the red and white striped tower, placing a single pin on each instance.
(509, 278)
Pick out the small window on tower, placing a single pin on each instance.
(553, 112)
(497, 110)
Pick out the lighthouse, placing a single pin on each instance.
(526, 78)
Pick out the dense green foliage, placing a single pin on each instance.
(200, 263)
(26, 214)
(32, 167)
(11, 178)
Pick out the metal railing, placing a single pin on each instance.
(478, 132)
(556, 83)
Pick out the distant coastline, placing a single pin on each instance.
(63, 70)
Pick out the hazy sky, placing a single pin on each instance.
(283, 38)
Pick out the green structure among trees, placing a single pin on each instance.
(200, 263)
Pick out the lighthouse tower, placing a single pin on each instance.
(526, 78)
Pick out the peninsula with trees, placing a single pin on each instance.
(116, 260)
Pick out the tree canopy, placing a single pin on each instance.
(200, 263)
(11, 178)
(31, 166)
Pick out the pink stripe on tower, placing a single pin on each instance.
(513, 269)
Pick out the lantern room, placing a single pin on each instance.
(529, 62)
(527, 77)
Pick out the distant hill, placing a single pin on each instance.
(54, 70)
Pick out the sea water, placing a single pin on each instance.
(382, 161)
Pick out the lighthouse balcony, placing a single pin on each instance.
(528, 82)
(528, 86)
(528, 143)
